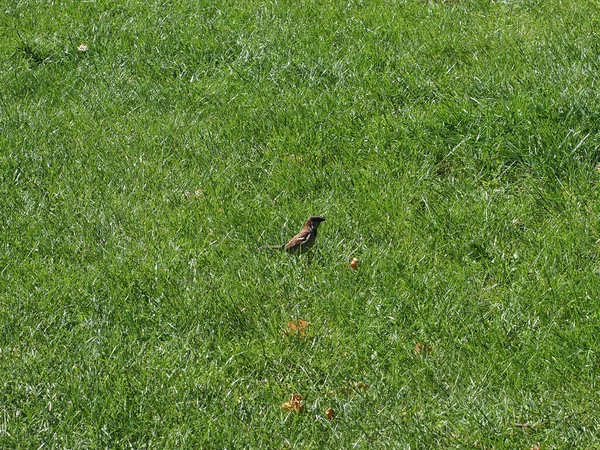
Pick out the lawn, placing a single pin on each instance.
(148, 149)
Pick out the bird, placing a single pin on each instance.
(304, 240)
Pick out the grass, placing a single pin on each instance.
(453, 148)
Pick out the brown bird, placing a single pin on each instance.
(304, 240)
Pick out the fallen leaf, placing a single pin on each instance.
(422, 349)
(294, 404)
(354, 263)
(299, 327)
(82, 47)
(329, 414)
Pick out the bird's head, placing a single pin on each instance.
(315, 221)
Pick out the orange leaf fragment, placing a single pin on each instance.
(329, 414)
(422, 349)
(354, 263)
(299, 327)
(294, 404)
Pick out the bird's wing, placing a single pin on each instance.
(299, 240)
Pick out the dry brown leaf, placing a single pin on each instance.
(422, 349)
(354, 263)
(329, 414)
(294, 404)
(299, 327)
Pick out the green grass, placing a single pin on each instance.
(452, 146)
